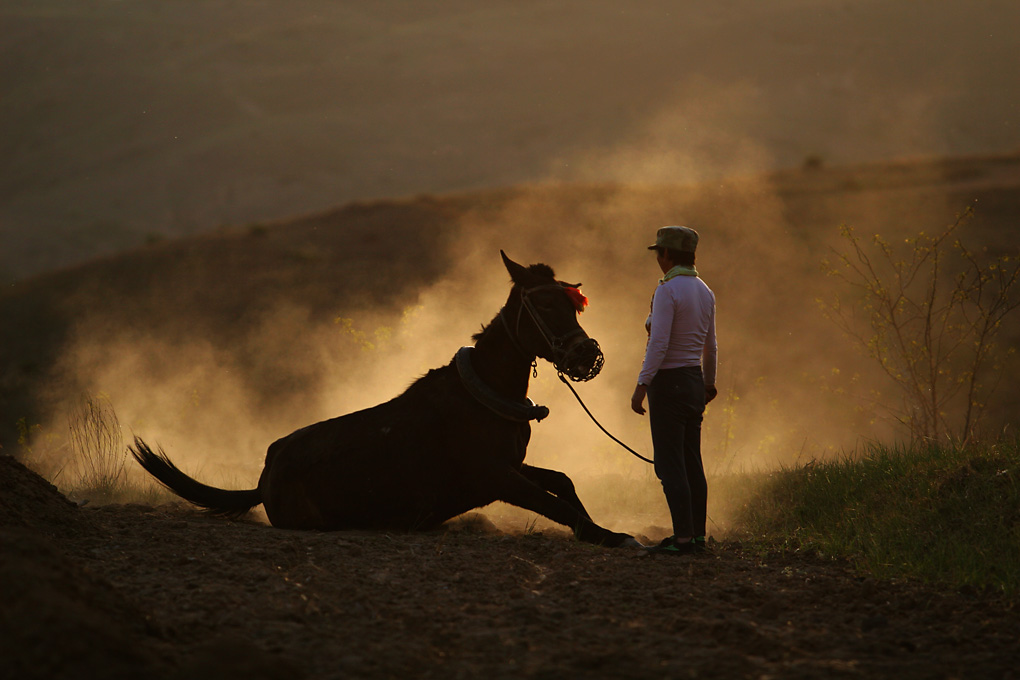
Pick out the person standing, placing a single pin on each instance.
(678, 377)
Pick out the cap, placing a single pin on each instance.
(683, 239)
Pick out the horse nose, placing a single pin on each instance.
(586, 359)
(579, 345)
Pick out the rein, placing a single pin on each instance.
(594, 420)
(556, 344)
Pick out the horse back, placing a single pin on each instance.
(409, 463)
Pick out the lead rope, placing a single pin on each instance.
(594, 420)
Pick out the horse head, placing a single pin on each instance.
(541, 317)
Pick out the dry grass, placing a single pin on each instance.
(97, 449)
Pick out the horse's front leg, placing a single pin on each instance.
(557, 483)
(516, 489)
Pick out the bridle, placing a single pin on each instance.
(566, 357)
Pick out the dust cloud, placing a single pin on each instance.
(785, 376)
(681, 144)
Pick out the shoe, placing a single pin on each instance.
(700, 546)
(669, 546)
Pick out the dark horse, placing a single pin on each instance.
(453, 441)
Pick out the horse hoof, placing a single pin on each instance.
(631, 542)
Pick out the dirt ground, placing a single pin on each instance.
(134, 591)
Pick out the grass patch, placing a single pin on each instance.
(94, 435)
(939, 514)
(95, 470)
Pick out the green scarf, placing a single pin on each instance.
(679, 270)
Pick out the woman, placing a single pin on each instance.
(678, 376)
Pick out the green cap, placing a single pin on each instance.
(683, 239)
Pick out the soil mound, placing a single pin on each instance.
(58, 619)
(28, 501)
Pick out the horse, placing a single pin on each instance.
(455, 440)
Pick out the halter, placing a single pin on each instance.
(562, 358)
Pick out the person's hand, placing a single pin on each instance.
(710, 393)
(638, 399)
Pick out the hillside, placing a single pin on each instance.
(220, 343)
(130, 121)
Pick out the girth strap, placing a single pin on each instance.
(517, 411)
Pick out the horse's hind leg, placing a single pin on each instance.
(514, 488)
(557, 483)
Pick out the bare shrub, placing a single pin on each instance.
(97, 447)
(928, 313)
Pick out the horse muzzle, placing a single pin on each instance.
(582, 361)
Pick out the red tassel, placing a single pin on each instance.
(578, 298)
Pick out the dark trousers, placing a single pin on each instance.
(676, 405)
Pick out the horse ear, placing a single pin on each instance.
(517, 273)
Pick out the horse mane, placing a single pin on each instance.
(539, 269)
(478, 336)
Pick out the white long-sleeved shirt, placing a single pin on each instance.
(682, 331)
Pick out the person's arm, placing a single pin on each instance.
(658, 343)
(710, 358)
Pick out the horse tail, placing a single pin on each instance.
(221, 502)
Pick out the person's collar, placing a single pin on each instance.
(679, 270)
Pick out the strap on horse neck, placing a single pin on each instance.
(517, 411)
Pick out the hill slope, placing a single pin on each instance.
(127, 121)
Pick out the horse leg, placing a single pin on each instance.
(557, 483)
(514, 488)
